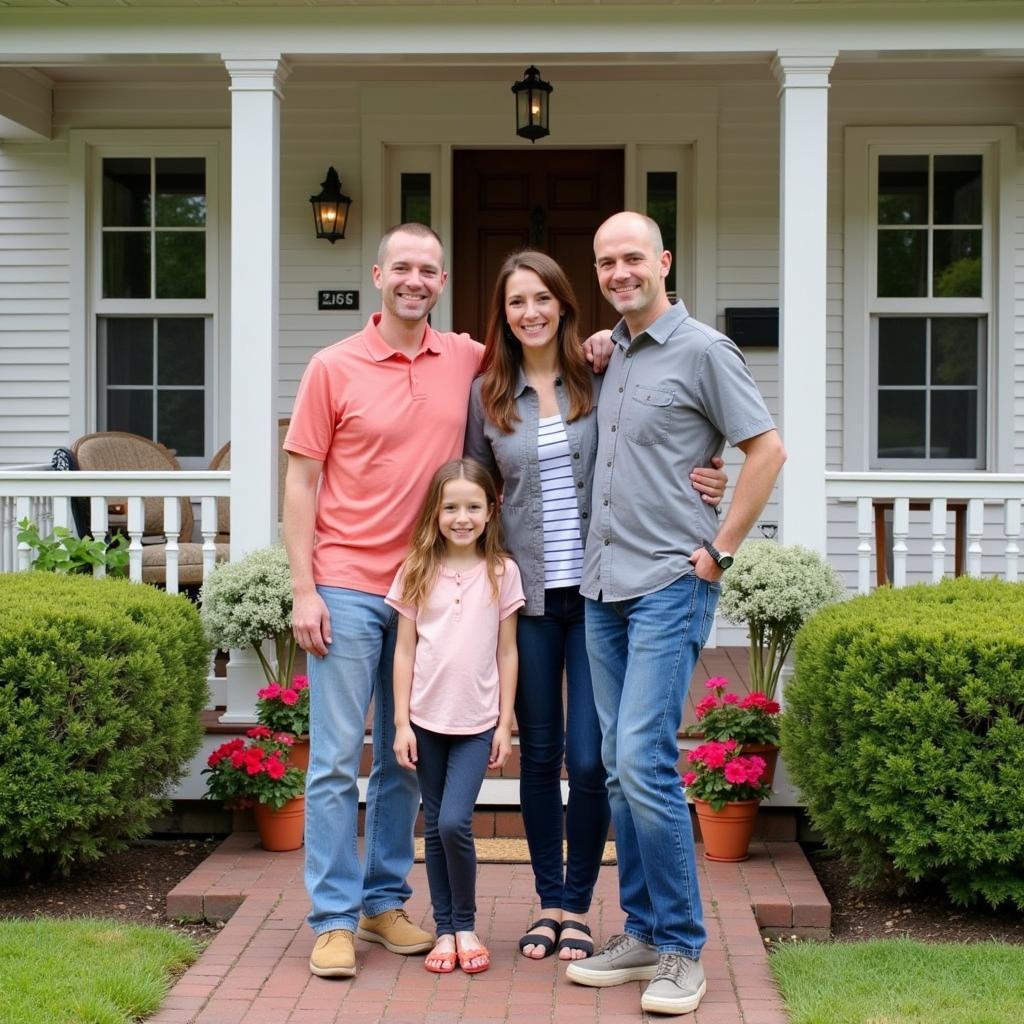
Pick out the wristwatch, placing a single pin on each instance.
(722, 558)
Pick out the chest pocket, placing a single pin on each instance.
(648, 415)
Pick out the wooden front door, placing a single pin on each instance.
(547, 199)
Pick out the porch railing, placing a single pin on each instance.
(44, 497)
(994, 536)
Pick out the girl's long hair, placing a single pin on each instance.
(503, 355)
(428, 544)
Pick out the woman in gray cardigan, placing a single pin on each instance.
(532, 422)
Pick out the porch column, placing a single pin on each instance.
(803, 178)
(255, 215)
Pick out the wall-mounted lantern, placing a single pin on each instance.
(330, 208)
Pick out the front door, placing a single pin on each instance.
(547, 199)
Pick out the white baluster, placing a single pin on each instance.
(22, 508)
(208, 528)
(975, 530)
(900, 529)
(938, 539)
(136, 527)
(62, 512)
(864, 519)
(98, 519)
(1011, 528)
(8, 531)
(216, 686)
(172, 527)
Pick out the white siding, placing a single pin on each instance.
(34, 287)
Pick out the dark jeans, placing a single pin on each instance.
(547, 644)
(451, 770)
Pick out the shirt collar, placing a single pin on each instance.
(659, 331)
(522, 383)
(380, 350)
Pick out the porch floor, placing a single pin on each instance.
(255, 970)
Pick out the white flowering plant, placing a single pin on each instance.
(775, 589)
(249, 601)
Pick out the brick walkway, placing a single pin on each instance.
(255, 971)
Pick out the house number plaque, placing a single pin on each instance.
(344, 298)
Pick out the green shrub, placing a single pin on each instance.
(904, 731)
(101, 684)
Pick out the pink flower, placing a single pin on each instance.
(275, 768)
(709, 703)
(271, 692)
(299, 682)
(736, 771)
(284, 737)
(712, 754)
(730, 698)
(289, 697)
(755, 767)
(259, 732)
(717, 683)
(689, 778)
(729, 744)
(693, 757)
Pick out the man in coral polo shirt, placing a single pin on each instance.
(375, 415)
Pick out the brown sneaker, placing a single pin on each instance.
(334, 955)
(394, 931)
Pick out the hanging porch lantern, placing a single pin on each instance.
(533, 96)
(330, 208)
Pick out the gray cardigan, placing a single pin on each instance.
(512, 458)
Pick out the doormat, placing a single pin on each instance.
(509, 851)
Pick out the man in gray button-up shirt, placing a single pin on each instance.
(675, 391)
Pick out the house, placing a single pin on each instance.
(843, 176)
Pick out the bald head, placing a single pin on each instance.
(630, 220)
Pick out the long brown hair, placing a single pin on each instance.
(503, 355)
(428, 544)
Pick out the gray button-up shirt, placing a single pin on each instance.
(670, 399)
(513, 459)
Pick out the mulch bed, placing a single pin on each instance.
(133, 885)
(926, 914)
(129, 886)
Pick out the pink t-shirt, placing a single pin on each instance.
(381, 423)
(455, 675)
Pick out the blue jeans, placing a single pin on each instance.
(642, 654)
(548, 644)
(451, 770)
(357, 668)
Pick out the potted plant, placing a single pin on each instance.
(285, 709)
(249, 601)
(255, 772)
(775, 589)
(726, 787)
(752, 721)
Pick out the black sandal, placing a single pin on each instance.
(584, 945)
(548, 945)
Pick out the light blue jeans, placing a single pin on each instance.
(357, 668)
(642, 654)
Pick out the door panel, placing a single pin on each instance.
(550, 199)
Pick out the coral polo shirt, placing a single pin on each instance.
(381, 423)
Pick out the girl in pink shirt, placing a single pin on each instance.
(457, 594)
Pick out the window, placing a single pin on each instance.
(929, 306)
(154, 293)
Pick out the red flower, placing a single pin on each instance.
(271, 692)
(730, 698)
(259, 732)
(736, 771)
(717, 683)
(709, 703)
(712, 754)
(755, 767)
(237, 758)
(299, 682)
(275, 768)
(729, 744)
(689, 778)
(289, 697)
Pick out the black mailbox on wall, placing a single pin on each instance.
(753, 326)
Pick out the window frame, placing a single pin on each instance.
(863, 307)
(87, 151)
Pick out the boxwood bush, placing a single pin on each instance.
(101, 684)
(904, 731)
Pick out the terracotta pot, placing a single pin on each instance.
(770, 753)
(299, 755)
(282, 829)
(726, 833)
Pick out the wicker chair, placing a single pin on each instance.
(116, 450)
(222, 460)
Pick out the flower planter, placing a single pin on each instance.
(282, 829)
(299, 755)
(769, 752)
(726, 833)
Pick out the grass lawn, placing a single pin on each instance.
(85, 971)
(899, 981)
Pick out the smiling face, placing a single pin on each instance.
(463, 515)
(532, 311)
(631, 270)
(411, 276)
